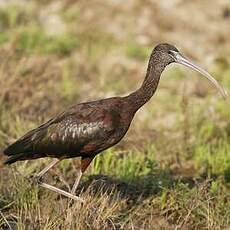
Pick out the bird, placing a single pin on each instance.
(86, 129)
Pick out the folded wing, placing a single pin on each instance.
(66, 135)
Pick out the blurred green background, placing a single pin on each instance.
(172, 170)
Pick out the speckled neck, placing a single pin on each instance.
(150, 83)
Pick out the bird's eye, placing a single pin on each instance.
(172, 53)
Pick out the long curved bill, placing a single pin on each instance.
(186, 62)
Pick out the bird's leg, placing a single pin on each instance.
(55, 189)
(60, 191)
(46, 169)
(75, 185)
(52, 188)
(85, 162)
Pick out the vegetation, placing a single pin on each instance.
(172, 170)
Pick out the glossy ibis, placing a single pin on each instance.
(86, 129)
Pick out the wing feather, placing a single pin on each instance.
(25, 143)
(67, 132)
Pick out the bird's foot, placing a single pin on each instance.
(37, 180)
(60, 191)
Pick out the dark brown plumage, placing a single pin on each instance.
(86, 129)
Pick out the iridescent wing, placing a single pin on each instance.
(81, 128)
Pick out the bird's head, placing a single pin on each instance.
(170, 54)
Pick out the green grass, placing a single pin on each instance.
(134, 50)
(33, 39)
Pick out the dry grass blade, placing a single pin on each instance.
(6, 221)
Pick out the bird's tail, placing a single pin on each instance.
(7, 160)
